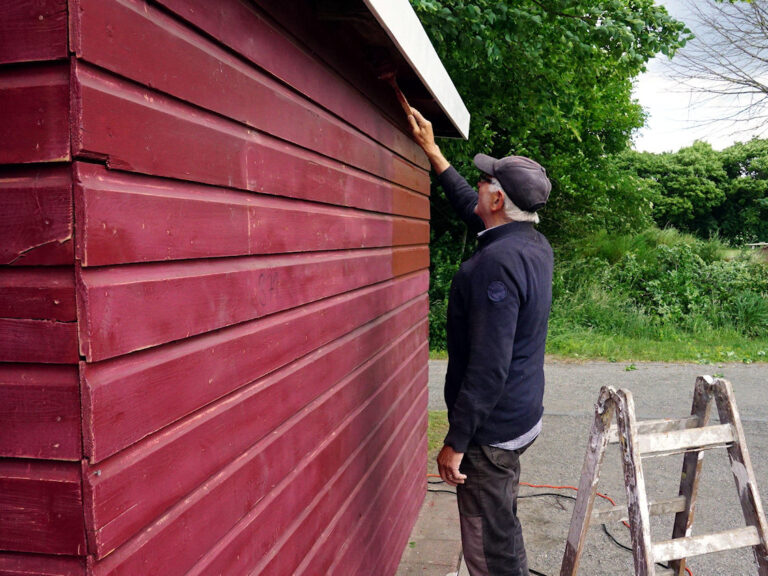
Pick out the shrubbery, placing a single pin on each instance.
(656, 286)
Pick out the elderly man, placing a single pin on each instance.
(497, 326)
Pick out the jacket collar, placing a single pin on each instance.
(492, 234)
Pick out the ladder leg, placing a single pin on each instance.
(743, 473)
(689, 479)
(637, 500)
(590, 474)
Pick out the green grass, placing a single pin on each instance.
(709, 347)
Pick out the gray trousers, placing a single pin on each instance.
(491, 534)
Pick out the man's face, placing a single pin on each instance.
(485, 198)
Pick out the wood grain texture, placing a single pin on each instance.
(35, 104)
(36, 215)
(127, 491)
(126, 218)
(131, 308)
(244, 29)
(210, 77)
(38, 293)
(40, 412)
(33, 30)
(127, 398)
(371, 469)
(274, 478)
(43, 341)
(14, 564)
(42, 507)
(140, 130)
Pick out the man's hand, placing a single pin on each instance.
(421, 129)
(448, 465)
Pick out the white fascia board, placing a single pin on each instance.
(404, 28)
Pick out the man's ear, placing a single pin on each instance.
(498, 201)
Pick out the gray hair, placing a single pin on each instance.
(511, 211)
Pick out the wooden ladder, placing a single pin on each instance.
(689, 435)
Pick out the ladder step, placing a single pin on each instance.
(697, 545)
(664, 571)
(620, 514)
(681, 440)
(649, 426)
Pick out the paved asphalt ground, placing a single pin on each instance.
(660, 390)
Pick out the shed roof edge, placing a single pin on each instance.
(404, 28)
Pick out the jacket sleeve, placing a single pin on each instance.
(462, 197)
(493, 303)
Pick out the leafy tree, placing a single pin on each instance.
(744, 214)
(551, 79)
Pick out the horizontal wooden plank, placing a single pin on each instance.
(349, 558)
(35, 105)
(117, 498)
(694, 438)
(14, 564)
(131, 308)
(656, 426)
(42, 341)
(38, 293)
(380, 466)
(393, 526)
(619, 513)
(317, 439)
(379, 456)
(128, 398)
(40, 412)
(41, 506)
(36, 215)
(214, 79)
(245, 30)
(705, 544)
(139, 130)
(33, 30)
(127, 218)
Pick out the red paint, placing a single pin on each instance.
(14, 564)
(245, 29)
(120, 495)
(38, 293)
(236, 243)
(143, 131)
(36, 216)
(33, 30)
(40, 412)
(43, 341)
(35, 105)
(174, 380)
(131, 308)
(273, 479)
(129, 218)
(42, 507)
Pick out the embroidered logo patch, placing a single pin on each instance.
(497, 291)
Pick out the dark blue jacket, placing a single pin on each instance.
(497, 328)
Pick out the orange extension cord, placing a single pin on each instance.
(550, 487)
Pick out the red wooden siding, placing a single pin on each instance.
(35, 105)
(40, 412)
(33, 30)
(41, 505)
(127, 218)
(213, 309)
(36, 215)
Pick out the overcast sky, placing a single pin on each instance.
(678, 117)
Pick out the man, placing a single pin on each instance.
(497, 326)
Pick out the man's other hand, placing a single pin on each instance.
(448, 462)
